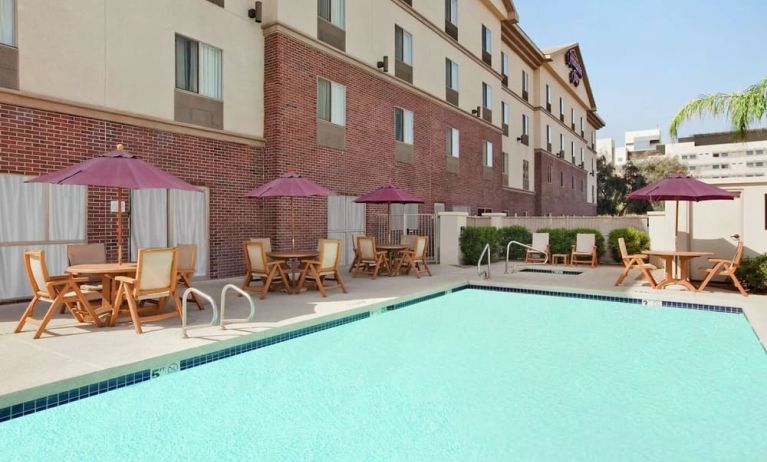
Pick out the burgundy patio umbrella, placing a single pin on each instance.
(389, 195)
(290, 185)
(119, 169)
(680, 187)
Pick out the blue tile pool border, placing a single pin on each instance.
(57, 399)
(551, 271)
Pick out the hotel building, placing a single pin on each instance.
(449, 99)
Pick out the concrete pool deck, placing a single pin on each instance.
(70, 355)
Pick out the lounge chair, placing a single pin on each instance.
(58, 291)
(635, 261)
(326, 265)
(725, 268)
(156, 276)
(186, 254)
(259, 268)
(584, 252)
(370, 259)
(543, 250)
(415, 259)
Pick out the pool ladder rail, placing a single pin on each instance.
(529, 247)
(217, 320)
(484, 274)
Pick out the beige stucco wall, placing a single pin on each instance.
(121, 55)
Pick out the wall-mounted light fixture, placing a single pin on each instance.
(476, 112)
(519, 139)
(383, 64)
(256, 13)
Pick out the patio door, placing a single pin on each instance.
(165, 218)
(345, 219)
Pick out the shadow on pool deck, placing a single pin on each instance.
(69, 350)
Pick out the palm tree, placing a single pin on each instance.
(744, 109)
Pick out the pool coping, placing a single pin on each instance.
(36, 399)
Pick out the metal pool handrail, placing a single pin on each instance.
(480, 273)
(508, 246)
(252, 314)
(185, 300)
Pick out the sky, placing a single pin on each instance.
(646, 58)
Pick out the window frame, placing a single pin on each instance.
(455, 142)
(487, 96)
(451, 12)
(487, 153)
(330, 19)
(451, 67)
(331, 85)
(407, 122)
(400, 48)
(14, 26)
(199, 46)
(487, 40)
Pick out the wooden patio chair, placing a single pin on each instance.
(326, 265)
(186, 255)
(354, 248)
(414, 259)
(370, 259)
(156, 276)
(266, 242)
(82, 254)
(259, 268)
(584, 251)
(727, 268)
(58, 291)
(543, 252)
(635, 261)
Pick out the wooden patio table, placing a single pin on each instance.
(391, 255)
(682, 259)
(107, 271)
(292, 259)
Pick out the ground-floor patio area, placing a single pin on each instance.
(70, 355)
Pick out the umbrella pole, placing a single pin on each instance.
(676, 227)
(119, 225)
(388, 222)
(292, 226)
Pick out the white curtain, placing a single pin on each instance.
(488, 154)
(407, 48)
(408, 127)
(338, 104)
(338, 13)
(8, 22)
(189, 224)
(149, 219)
(345, 219)
(456, 142)
(22, 209)
(210, 71)
(454, 12)
(67, 212)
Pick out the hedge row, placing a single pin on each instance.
(561, 240)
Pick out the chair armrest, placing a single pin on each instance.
(719, 260)
(640, 256)
(310, 262)
(62, 277)
(80, 280)
(125, 279)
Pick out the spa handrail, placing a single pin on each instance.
(216, 320)
(508, 246)
(226, 289)
(184, 302)
(485, 274)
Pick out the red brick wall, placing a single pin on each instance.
(291, 72)
(33, 142)
(554, 199)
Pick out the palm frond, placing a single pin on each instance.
(718, 104)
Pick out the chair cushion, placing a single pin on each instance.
(155, 295)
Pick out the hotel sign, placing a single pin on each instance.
(576, 68)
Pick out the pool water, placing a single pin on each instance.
(472, 376)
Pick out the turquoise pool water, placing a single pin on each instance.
(473, 376)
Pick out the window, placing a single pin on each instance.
(451, 74)
(331, 102)
(403, 125)
(581, 184)
(403, 46)
(333, 11)
(583, 159)
(561, 179)
(572, 181)
(548, 97)
(572, 117)
(487, 96)
(562, 109)
(525, 85)
(525, 130)
(526, 175)
(452, 142)
(592, 193)
(548, 134)
(8, 22)
(548, 175)
(581, 126)
(487, 154)
(759, 152)
(198, 67)
(487, 50)
(716, 154)
(505, 67)
(505, 162)
(451, 18)
(561, 144)
(504, 113)
(572, 151)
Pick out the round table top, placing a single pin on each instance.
(676, 253)
(102, 268)
(391, 247)
(284, 254)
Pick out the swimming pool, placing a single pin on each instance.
(474, 375)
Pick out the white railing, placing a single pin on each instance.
(216, 320)
(486, 273)
(508, 246)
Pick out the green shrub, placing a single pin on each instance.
(473, 240)
(636, 241)
(752, 273)
(561, 240)
(513, 233)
